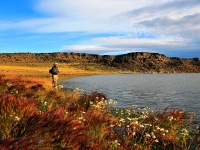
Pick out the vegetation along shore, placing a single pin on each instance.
(34, 115)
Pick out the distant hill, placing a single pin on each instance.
(138, 62)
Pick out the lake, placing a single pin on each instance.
(157, 91)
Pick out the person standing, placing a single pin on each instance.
(55, 72)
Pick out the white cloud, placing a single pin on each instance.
(89, 9)
(139, 24)
(90, 15)
(127, 44)
(109, 16)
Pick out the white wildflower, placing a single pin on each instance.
(184, 131)
(142, 126)
(147, 135)
(170, 118)
(17, 118)
(129, 119)
(162, 129)
(136, 122)
(112, 125)
(122, 120)
(45, 103)
(156, 141)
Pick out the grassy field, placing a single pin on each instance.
(34, 115)
(41, 70)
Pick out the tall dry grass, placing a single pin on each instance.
(33, 115)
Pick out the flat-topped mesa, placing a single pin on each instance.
(142, 56)
(150, 56)
(140, 62)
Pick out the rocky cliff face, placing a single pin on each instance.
(139, 62)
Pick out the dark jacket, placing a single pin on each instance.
(55, 70)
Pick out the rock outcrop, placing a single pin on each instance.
(138, 62)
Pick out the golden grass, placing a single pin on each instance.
(42, 71)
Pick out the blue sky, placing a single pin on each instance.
(169, 27)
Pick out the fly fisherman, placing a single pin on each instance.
(55, 72)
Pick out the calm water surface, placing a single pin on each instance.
(157, 91)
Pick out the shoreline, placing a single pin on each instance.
(56, 117)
